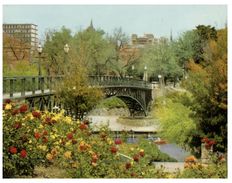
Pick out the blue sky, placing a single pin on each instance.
(156, 19)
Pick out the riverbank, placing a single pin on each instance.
(115, 124)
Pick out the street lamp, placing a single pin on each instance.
(132, 70)
(39, 49)
(161, 83)
(66, 50)
(145, 73)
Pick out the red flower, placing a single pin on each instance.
(118, 141)
(69, 136)
(211, 142)
(23, 108)
(36, 114)
(83, 126)
(45, 132)
(205, 140)
(23, 153)
(8, 101)
(37, 135)
(13, 150)
(113, 149)
(128, 165)
(45, 139)
(17, 125)
(136, 158)
(14, 112)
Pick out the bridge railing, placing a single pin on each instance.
(117, 81)
(33, 84)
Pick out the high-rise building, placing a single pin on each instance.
(27, 33)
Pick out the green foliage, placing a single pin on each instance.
(174, 114)
(210, 91)
(160, 58)
(209, 171)
(21, 68)
(76, 95)
(53, 139)
(93, 50)
(53, 50)
(111, 103)
(184, 47)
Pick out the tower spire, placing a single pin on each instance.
(91, 24)
(90, 27)
(171, 35)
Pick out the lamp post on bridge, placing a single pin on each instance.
(132, 70)
(39, 49)
(161, 83)
(66, 50)
(145, 74)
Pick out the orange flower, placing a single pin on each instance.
(83, 126)
(37, 135)
(191, 159)
(49, 157)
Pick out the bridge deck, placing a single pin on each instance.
(18, 95)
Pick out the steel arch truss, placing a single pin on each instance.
(136, 99)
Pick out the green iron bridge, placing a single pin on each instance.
(39, 91)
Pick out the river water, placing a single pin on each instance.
(152, 126)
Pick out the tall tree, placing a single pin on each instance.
(208, 84)
(205, 33)
(93, 50)
(160, 59)
(55, 41)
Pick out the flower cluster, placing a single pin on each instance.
(208, 142)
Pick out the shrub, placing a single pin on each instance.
(41, 138)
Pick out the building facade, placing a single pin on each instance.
(25, 32)
(147, 39)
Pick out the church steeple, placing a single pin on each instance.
(90, 26)
(171, 36)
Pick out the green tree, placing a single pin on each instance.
(93, 49)
(123, 55)
(205, 33)
(208, 84)
(55, 41)
(174, 114)
(76, 94)
(160, 59)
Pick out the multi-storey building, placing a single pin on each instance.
(27, 33)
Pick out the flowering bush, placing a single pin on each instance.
(41, 138)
